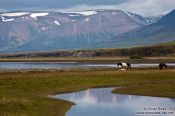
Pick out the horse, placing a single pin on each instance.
(123, 64)
(162, 65)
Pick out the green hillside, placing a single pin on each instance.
(165, 49)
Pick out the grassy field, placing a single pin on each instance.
(24, 93)
(158, 50)
(167, 59)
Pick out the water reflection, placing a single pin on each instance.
(101, 102)
(37, 65)
(62, 65)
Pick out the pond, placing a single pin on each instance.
(62, 65)
(101, 102)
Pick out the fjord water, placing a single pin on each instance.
(101, 102)
(61, 65)
(36, 65)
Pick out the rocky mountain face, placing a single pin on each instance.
(161, 31)
(42, 31)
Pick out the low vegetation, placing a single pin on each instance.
(136, 57)
(166, 49)
(24, 93)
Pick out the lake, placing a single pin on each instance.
(62, 65)
(101, 102)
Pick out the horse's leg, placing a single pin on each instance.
(129, 66)
(160, 67)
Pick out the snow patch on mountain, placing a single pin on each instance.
(128, 14)
(57, 23)
(87, 19)
(15, 14)
(86, 13)
(153, 19)
(114, 13)
(6, 20)
(43, 28)
(35, 15)
(74, 15)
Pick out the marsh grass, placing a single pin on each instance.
(24, 93)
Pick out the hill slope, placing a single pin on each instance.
(33, 31)
(161, 31)
(155, 50)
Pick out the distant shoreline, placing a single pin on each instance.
(92, 59)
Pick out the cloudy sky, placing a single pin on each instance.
(142, 7)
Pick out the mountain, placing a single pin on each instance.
(43, 31)
(161, 31)
(32, 31)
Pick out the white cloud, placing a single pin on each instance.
(142, 7)
(148, 7)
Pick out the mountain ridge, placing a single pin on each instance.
(33, 31)
(161, 31)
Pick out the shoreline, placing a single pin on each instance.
(118, 69)
(91, 59)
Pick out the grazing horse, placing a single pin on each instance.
(123, 64)
(162, 65)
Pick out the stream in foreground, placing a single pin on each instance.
(101, 102)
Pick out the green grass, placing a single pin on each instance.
(167, 59)
(25, 93)
(156, 50)
(169, 43)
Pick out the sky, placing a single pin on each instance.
(142, 7)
